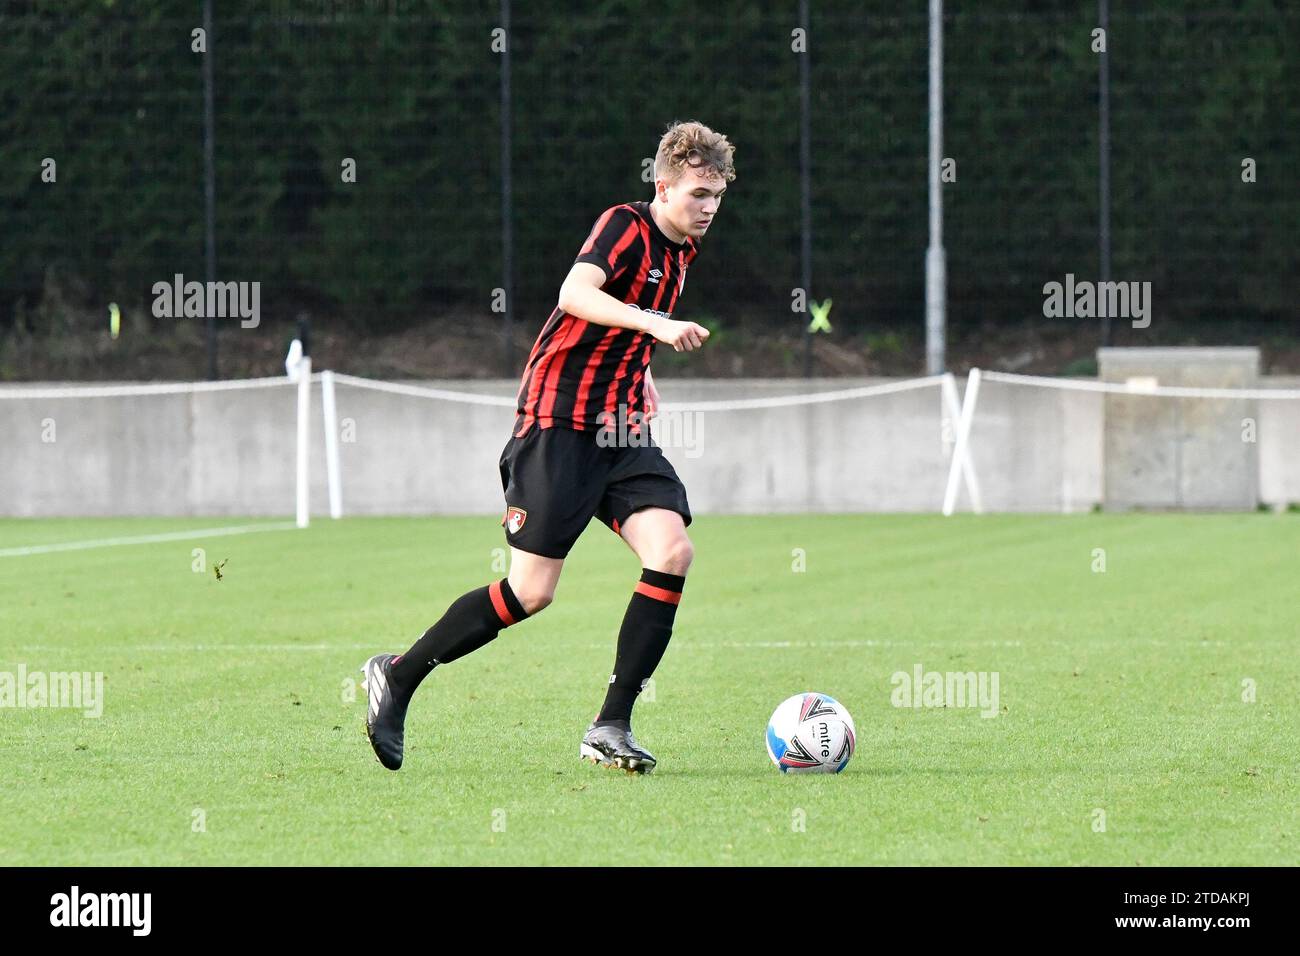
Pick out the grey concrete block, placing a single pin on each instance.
(1164, 452)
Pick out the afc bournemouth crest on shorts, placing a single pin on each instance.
(514, 519)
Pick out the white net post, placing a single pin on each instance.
(953, 407)
(304, 441)
(330, 417)
(961, 452)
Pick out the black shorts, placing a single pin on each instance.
(555, 479)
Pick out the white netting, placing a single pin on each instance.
(1139, 386)
(425, 391)
(161, 448)
(1052, 444)
(128, 390)
(805, 451)
(773, 401)
(1038, 443)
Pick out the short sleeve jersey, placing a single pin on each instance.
(579, 373)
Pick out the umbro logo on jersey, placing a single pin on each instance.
(654, 276)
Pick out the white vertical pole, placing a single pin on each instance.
(953, 406)
(950, 403)
(304, 437)
(936, 267)
(962, 449)
(331, 443)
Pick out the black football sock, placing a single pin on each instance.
(642, 640)
(473, 620)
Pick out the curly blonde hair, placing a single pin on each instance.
(694, 145)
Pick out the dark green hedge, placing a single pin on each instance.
(411, 91)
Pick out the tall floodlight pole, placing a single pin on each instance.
(507, 203)
(935, 260)
(805, 187)
(1103, 164)
(209, 183)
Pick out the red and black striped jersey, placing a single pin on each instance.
(579, 373)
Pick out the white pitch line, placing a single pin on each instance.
(145, 539)
(196, 648)
(733, 645)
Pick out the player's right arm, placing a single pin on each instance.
(581, 295)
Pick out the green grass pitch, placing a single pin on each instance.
(1125, 733)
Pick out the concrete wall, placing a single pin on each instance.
(415, 456)
(1180, 453)
(231, 453)
(1279, 445)
(1037, 449)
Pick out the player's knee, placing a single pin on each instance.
(533, 598)
(678, 556)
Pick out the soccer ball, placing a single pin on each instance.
(811, 733)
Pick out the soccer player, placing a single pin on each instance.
(578, 449)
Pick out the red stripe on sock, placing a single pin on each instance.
(659, 594)
(499, 603)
